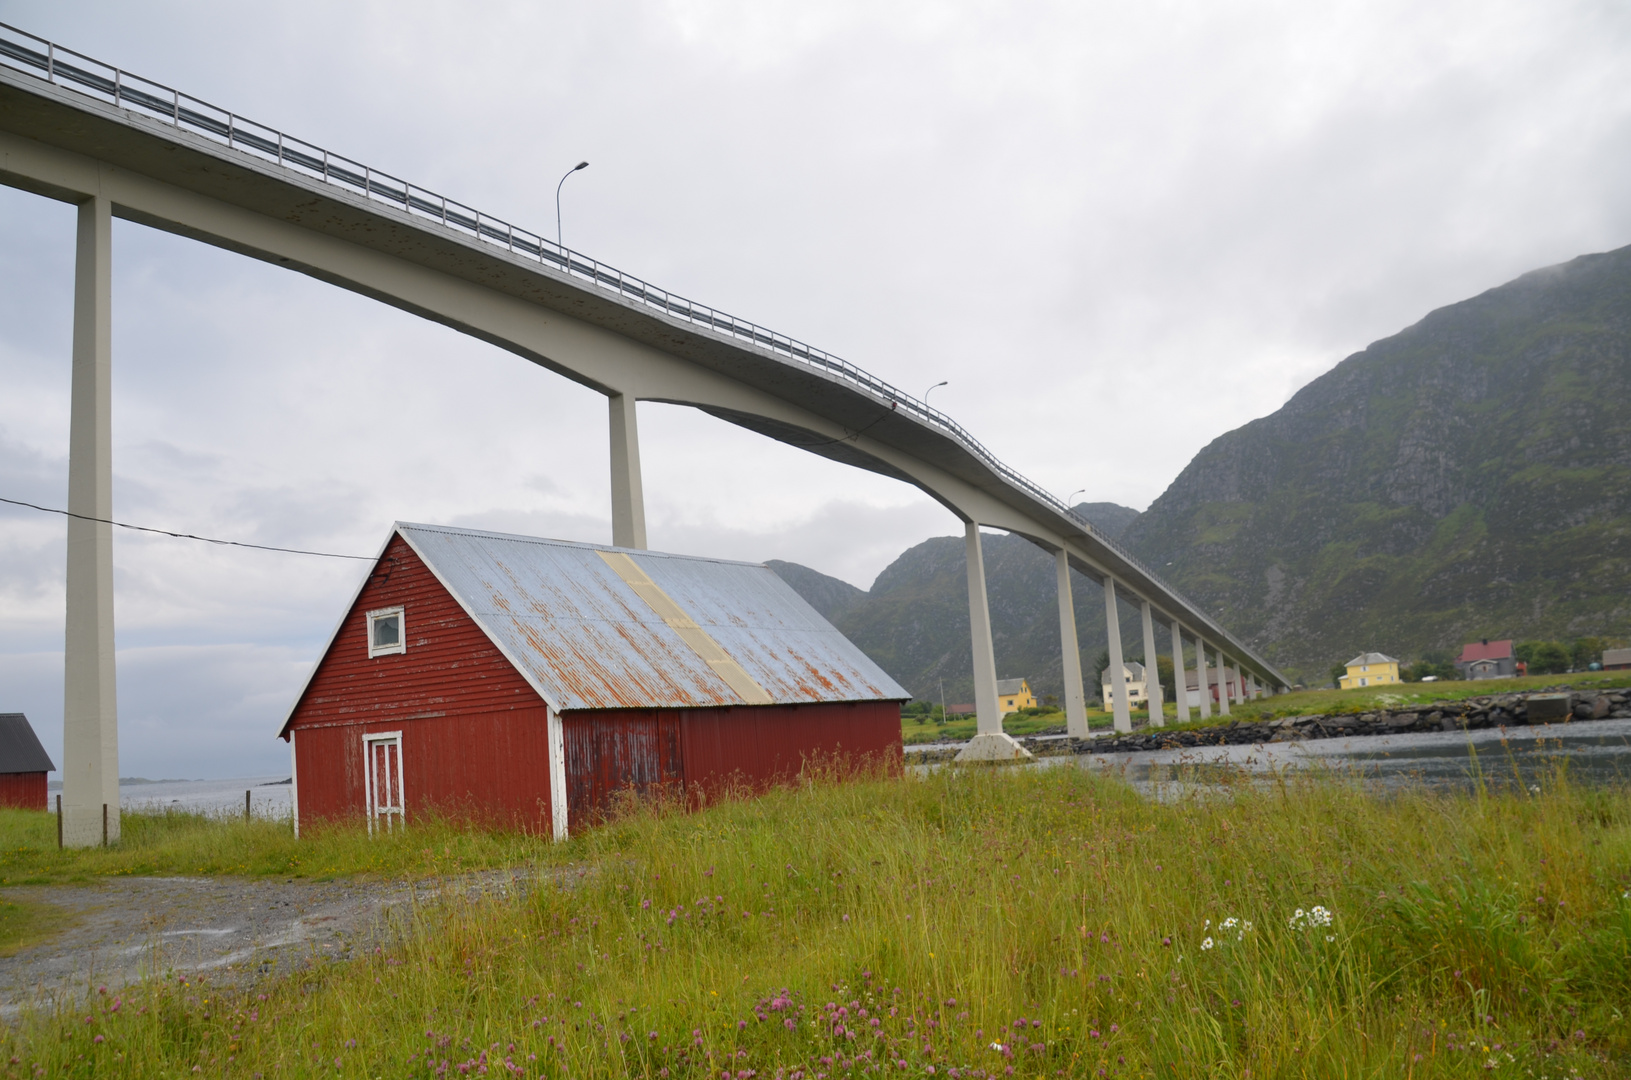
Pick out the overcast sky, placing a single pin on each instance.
(1117, 230)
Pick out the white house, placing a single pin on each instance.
(1138, 687)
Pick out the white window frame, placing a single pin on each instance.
(401, 645)
(391, 813)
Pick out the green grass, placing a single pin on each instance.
(171, 842)
(1470, 935)
(26, 923)
(962, 728)
(1366, 699)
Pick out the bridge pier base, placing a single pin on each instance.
(628, 495)
(1070, 653)
(1203, 680)
(1223, 686)
(1118, 672)
(90, 715)
(1180, 676)
(1153, 695)
(990, 742)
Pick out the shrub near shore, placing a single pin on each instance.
(969, 924)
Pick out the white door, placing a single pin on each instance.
(382, 778)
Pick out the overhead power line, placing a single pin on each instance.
(185, 536)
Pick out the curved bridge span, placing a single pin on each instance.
(118, 145)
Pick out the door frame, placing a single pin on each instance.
(370, 807)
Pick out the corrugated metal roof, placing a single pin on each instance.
(586, 639)
(20, 749)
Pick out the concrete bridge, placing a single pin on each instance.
(115, 144)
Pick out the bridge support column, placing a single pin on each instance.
(1180, 677)
(1070, 653)
(1117, 670)
(90, 716)
(1223, 686)
(1153, 695)
(628, 496)
(1203, 681)
(990, 742)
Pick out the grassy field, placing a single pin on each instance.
(959, 729)
(189, 843)
(1304, 702)
(985, 923)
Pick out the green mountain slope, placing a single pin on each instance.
(914, 619)
(1469, 477)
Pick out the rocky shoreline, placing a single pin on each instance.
(1552, 706)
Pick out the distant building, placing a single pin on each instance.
(23, 764)
(1014, 695)
(1487, 659)
(1616, 659)
(1371, 669)
(1192, 684)
(1138, 686)
(526, 681)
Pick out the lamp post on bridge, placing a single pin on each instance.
(558, 244)
(932, 389)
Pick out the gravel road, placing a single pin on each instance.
(236, 930)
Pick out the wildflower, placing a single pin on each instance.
(1228, 924)
(997, 1046)
(1330, 937)
(1206, 944)
(1246, 926)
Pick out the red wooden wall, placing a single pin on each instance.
(24, 790)
(450, 667)
(712, 749)
(493, 768)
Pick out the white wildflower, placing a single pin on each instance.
(1319, 917)
(1330, 937)
(1246, 926)
(997, 1046)
(1229, 923)
(1206, 944)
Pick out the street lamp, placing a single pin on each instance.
(1073, 494)
(566, 263)
(932, 389)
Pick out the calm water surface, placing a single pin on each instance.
(267, 798)
(1592, 751)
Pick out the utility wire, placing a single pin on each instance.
(185, 536)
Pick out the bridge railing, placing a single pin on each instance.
(71, 70)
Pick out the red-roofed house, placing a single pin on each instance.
(1488, 659)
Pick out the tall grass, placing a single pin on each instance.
(969, 923)
(189, 843)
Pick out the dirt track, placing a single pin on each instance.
(237, 930)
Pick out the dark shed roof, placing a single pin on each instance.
(20, 749)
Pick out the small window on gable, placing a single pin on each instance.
(386, 632)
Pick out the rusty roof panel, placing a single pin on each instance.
(583, 637)
(778, 638)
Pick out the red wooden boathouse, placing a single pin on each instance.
(23, 764)
(519, 680)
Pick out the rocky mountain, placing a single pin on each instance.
(1468, 477)
(914, 619)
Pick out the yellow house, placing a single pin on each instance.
(1371, 669)
(1014, 695)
